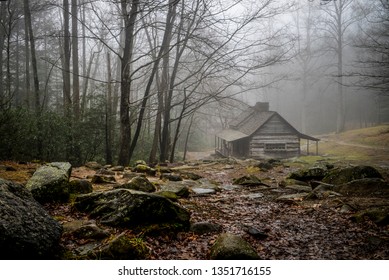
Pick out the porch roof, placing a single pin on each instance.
(231, 135)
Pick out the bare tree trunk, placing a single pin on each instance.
(187, 137)
(125, 125)
(108, 114)
(33, 56)
(76, 79)
(66, 61)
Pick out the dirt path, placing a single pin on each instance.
(344, 143)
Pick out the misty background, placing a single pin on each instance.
(117, 81)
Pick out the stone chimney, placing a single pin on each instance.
(261, 106)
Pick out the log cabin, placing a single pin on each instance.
(259, 133)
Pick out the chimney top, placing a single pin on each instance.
(262, 106)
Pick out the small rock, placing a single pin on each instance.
(203, 191)
(93, 165)
(117, 168)
(249, 180)
(142, 168)
(293, 197)
(171, 177)
(84, 230)
(104, 171)
(205, 227)
(124, 248)
(299, 188)
(232, 247)
(254, 232)
(180, 190)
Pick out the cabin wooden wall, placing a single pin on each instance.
(275, 139)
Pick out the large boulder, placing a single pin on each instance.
(51, 182)
(232, 247)
(344, 175)
(367, 187)
(27, 231)
(129, 208)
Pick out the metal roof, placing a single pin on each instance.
(250, 121)
(231, 135)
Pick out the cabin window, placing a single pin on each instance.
(275, 147)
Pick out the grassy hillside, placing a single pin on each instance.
(367, 145)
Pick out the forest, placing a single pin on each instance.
(117, 81)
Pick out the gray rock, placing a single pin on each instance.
(205, 227)
(104, 171)
(344, 175)
(50, 182)
(249, 180)
(203, 191)
(312, 173)
(256, 233)
(299, 188)
(80, 187)
(379, 215)
(27, 231)
(144, 169)
(117, 168)
(103, 179)
(123, 247)
(139, 183)
(171, 177)
(84, 229)
(93, 165)
(232, 247)
(179, 189)
(129, 208)
(293, 197)
(367, 187)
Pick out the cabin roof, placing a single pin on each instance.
(249, 121)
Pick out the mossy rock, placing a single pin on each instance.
(123, 247)
(379, 215)
(232, 247)
(366, 187)
(139, 183)
(128, 208)
(142, 168)
(307, 174)
(51, 182)
(180, 190)
(80, 187)
(171, 177)
(250, 180)
(344, 175)
(169, 195)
